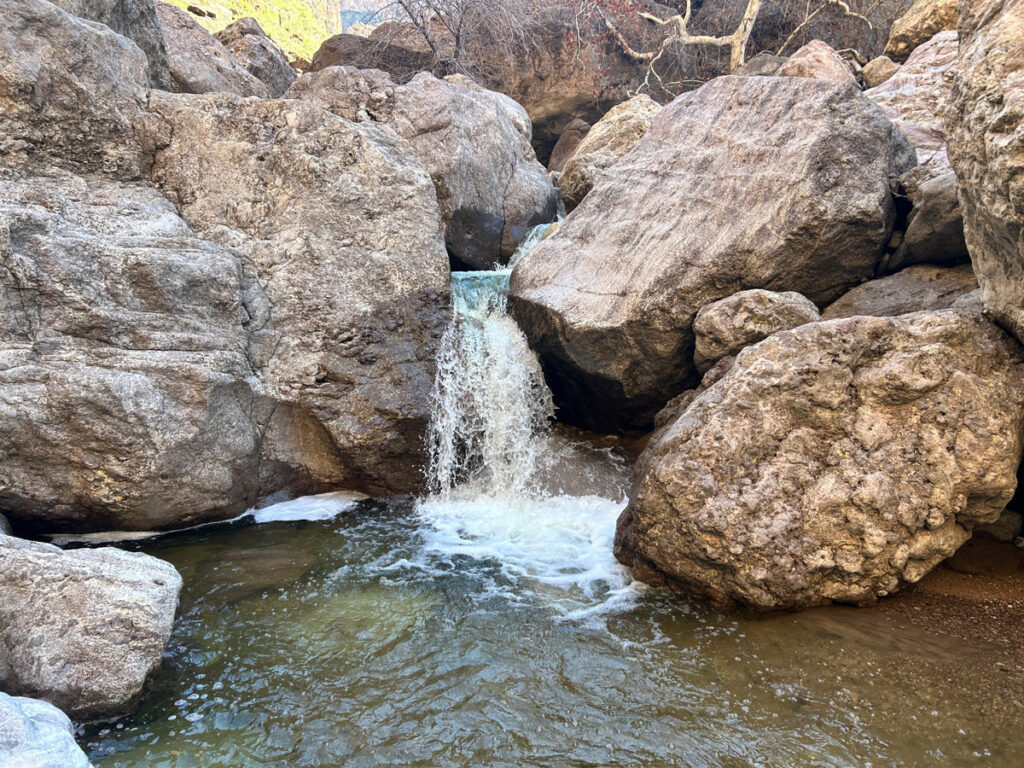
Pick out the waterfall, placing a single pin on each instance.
(490, 406)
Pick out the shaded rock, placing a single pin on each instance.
(919, 95)
(834, 462)
(70, 92)
(568, 141)
(365, 53)
(914, 289)
(728, 325)
(611, 138)
(935, 225)
(796, 199)
(5, 527)
(136, 20)
(249, 44)
(923, 21)
(35, 734)
(878, 70)
(819, 61)
(475, 143)
(985, 128)
(338, 224)
(83, 629)
(199, 63)
(1005, 529)
(763, 64)
(124, 364)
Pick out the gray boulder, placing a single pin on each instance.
(249, 44)
(83, 629)
(728, 325)
(125, 368)
(935, 224)
(475, 144)
(136, 20)
(71, 92)
(837, 461)
(985, 127)
(797, 199)
(567, 143)
(199, 62)
(914, 289)
(35, 734)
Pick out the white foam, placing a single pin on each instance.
(324, 506)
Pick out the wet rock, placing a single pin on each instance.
(923, 21)
(914, 289)
(796, 199)
(249, 44)
(724, 327)
(83, 629)
(611, 138)
(338, 224)
(819, 61)
(51, 61)
(124, 362)
(985, 128)
(35, 734)
(919, 95)
(935, 224)
(136, 20)
(199, 63)
(568, 141)
(475, 144)
(834, 462)
(878, 70)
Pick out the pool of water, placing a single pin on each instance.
(468, 633)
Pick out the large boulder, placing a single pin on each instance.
(35, 734)
(568, 140)
(728, 325)
(934, 231)
(918, 96)
(136, 20)
(985, 128)
(475, 143)
(611, 138)
(249, 44)
(83, 629)
(818, 60)
(920, 23)
(914, 289)
(198, 61)
(748, 182)
(125, 372)
(70, 92)
(338, 224)
(834, 462)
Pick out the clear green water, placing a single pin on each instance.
(363, 641)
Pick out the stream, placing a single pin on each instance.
(487, 624)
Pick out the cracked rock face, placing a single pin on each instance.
(835, 462)
(83, 629)
(732, 188)
(985, 129)
(123, 363)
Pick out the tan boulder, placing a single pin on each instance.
(818, 60)
(878, 70)
(568, 141)
(920, 23)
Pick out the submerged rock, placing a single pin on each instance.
(337, 224)
(795, 199)
(475, 144)
(35, 734)
(834, 462)
(611, 138)
(199, 63)
(817, 60)
(83, 629)
(124, 363)
(727, 326)
(985, 127)
(136, 20)
(920, 23)
(71, 92)
(914, 289)
(249, 44)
